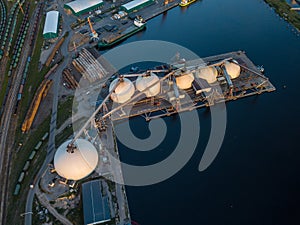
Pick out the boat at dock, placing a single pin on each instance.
(139, 21)
(184, 3)
(110, 41)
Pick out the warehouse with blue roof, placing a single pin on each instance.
(96, 208)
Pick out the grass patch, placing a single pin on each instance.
(64, 111)
(283, 9)
(63, 136)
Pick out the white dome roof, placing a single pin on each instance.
(232, 69)
(78, 164)
(185, 81)
(143, 82)
(209, 74)
(123, 91)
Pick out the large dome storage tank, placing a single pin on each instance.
(123, 92)
(185, 81)
(143, 82)
(209, 74)
(232, 69)
(78, 163)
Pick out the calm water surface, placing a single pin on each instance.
(255, 177)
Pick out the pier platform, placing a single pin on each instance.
(251, 81)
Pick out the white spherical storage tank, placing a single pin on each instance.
(185, 81)
(144, 82)
(77, 164)
(232, 69)
(123, 92)
(209, 74)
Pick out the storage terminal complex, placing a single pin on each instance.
(81, 169)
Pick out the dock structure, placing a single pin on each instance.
(110, 29)
(251, 81)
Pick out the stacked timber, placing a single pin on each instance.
(40, 94)
(57, 47)
(69, 78)
(89, 66)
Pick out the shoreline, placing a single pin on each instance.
(282, 8)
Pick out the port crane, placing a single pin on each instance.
(94, 34)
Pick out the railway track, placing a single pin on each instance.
(3, 18)
(6, 42)
(7, 124)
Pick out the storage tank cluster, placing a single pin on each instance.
(125, 89)
(77, 163)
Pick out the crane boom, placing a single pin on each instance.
(91, 26)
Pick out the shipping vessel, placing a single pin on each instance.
(184, 3)
(112, 40)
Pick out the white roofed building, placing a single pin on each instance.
(51, 25)
(79, 7)
(78, 163)
(136, 5)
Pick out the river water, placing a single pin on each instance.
(255, 177)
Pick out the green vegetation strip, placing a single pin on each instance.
(64, 111)
(17, 203)
(63, 136)
(283, 9)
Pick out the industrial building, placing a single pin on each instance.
(77, 163)
(51, 25)
(136, 5)
(95, 205)
(79, 7)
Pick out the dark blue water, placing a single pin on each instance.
(255, 177)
